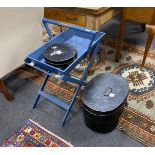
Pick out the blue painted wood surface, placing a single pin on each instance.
(84, 40)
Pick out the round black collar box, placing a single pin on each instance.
(104, 98)
(60, 55)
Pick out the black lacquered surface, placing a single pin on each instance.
(106, 92)
(60, 54)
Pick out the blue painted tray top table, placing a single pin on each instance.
(84, 40)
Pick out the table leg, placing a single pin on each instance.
(93, 67)
(41, 88)
(96, 25)
(79, 86)
(143, 26)
(71, 104)
(5, 91)
(147, 47)
(120, 37)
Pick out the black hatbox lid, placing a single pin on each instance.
(105, 92)
(60, 54)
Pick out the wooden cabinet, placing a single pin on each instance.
(87, 17)
(141, 15)
(64, 16)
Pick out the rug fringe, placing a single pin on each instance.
(69, 143)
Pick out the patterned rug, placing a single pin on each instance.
(138, 118)
(31, 134)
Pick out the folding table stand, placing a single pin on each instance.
(84, 40)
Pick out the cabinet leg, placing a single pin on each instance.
(93, 67)
(120, 37)
(147, 47)
(5, 91)
(117, 58)
(143, 26)
(96, 25)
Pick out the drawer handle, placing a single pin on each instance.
(71, 19)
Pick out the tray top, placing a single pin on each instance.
(78, 39)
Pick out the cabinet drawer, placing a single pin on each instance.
(64, 16)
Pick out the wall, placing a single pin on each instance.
(20, 33)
